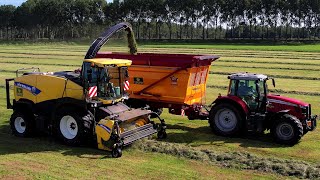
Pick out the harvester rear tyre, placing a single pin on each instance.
(73, 128)
(287, 130)
(225, 120)
(22, 123)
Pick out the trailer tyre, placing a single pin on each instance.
(287, 130)
(225, 119)
(73, 127)
(22, 123)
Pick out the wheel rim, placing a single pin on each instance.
(68, 127)
(285, 131)
(225, 120)
(20, 125)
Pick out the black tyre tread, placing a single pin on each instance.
(215, 129)
(298, 130)
(116, 152)
(84, 122)
(29, 120)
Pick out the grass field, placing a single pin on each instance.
(191, 150)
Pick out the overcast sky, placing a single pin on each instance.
(18, 2)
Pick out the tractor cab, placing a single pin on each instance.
(251, 88)
(105, 79)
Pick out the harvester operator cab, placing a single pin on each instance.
(104, 79)
(251, 88)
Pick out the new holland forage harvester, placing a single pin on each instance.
(86, 105)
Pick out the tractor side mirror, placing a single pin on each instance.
(273, 83)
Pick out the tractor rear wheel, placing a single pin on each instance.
(225, 119)
(22, 123)
(73, 127)
(288, 130)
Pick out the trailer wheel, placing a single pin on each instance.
(73, 127)
(288, 130)
(22, 123)
(225, 120)
(116, 152)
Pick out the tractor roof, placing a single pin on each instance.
(101, 62)
(248, 76)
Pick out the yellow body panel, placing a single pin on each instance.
(23, 91)
(100, 62)
(183, 87)
(48, 87)
(103, 132)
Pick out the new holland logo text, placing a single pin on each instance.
(35, 91)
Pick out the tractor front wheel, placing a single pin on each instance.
(225, 120)
(288, 130)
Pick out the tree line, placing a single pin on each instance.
(163, 19)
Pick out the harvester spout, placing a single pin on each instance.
(104, 37)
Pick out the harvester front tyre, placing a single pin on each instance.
(72, 127)
(116, 152)
(225, 120)
(22, 123)
(288, 130)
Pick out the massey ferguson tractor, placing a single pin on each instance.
(249, 107)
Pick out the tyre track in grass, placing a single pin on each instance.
(280, 91)
(195, 51)
(211, 72)
(44, 54)
(279, 68)
(35, 57)
(238, 160)
(45, 64)
(274, 76)
(268, 62)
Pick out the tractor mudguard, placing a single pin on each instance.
(278, 114)
(275, 117)
(234, 100)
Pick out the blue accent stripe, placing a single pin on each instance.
(105, 128)
(35, 91)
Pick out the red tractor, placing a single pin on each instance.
(248, 106)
